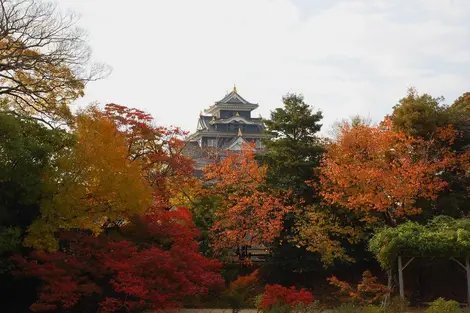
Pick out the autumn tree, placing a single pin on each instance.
(421, 116)
(380, 174)
(368, 290)
(159, 151)
(95, 184)
(44, 59)
(154, 265)
(250, 213)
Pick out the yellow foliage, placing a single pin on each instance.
(97, 185)
(317, 233)
(34, 84)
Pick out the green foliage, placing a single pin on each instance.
(314, 307)
(419, 115)
(10, 241)
(459, 117)
(294, 148)
(280, 308)
(203, 210)
(441, 305)
(422, 115)
(347, 308)
(27, 151)
(442, 236)
(293, 152)
(396, 305)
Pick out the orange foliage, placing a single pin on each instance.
(368, 291)
(242, 290)
(250, 213)
(95, 184)
(159, 151)
(379, 173)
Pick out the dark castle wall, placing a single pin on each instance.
(233, 128)
(230, 113)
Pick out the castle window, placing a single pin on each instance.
(212, 142)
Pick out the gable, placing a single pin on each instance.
(237, 144)
(233, 98)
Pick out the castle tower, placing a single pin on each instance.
(228, 124)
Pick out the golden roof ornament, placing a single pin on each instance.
(238, 114)
(234, 88)
(213, 118)
(240, 132)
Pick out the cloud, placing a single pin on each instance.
(175, 58)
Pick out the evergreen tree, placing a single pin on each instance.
(294, 149)
(293, 152)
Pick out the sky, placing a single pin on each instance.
(174, 58)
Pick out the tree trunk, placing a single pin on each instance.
(467, 267)
(400, 279)
(386, 301)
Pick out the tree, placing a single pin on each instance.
(155, 266)
(419, 115)
(159, 151)
(250, 213)
(459, 118)
(294, 148)
(95, 184)
(321, 232)
(293, 156)
(242, 291)
(27, 151)
(367, 291)
(422, 116)
(353, 121)
(379, 174)
(44, 59)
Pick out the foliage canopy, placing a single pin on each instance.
(443, 236)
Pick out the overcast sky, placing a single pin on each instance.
(174, 58)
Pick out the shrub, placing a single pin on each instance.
(373, 309)
(241, 291)
(313, 307)
(347, 308)
(440, 305)
(368, 291)
(279, 299)
(396, 305)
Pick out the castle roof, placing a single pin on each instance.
(232, 101)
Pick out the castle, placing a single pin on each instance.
(225, 126)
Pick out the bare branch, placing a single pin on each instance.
(44, 57)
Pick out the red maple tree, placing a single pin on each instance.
(157, 269)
